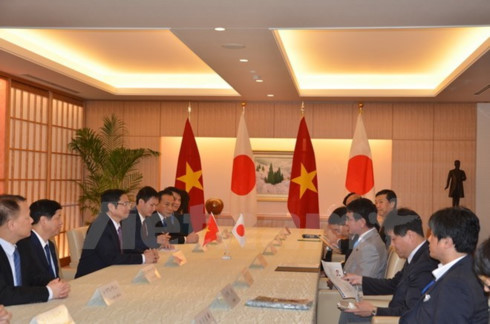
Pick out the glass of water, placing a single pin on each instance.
(359, 293)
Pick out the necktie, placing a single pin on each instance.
(164, 224)
(145, 227)
(119, 235)
(18, 273)
(47, 251)
(430, 284)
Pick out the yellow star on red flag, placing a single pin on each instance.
(191, 178)
(305, 180)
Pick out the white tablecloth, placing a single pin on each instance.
(186, 290)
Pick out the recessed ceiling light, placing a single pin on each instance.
(220, 28)
(270, 95)
(243, 60)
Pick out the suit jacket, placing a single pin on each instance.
(33, 289)
(33, 245)
(137, 237)
(405, 286)
(368, 257)
(177, 225)
(457, 297)
(101, 248)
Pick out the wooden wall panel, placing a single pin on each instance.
(216, 119)
(97, 110)
(445, 152)
(142, 118)
(412, 175)
(259, 118)
(454, 121)
(173, 116)
(377, 118)
(414, 121)
(332, 120)
(287, 117)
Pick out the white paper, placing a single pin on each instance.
(57, 315)
(199, 248)
(246, 277)
(147, 274)
(204, 317)
(230, 296)
(334, 272)
(259, 261)
(270, 249)
(106, 294)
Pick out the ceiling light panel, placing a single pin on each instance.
(117, 59)
(379, 62)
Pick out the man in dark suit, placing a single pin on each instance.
(176, 228)
(103, 245)
(385, 201)
(47, 223)
(138, 231)
(20, 280)
(455, 295)
(407, 238)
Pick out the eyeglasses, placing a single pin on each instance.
(126, 203)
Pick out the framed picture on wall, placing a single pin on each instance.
(273, 174)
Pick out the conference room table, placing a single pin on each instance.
(184, 291)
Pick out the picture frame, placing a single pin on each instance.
(273, 174)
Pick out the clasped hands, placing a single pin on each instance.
(151, 256)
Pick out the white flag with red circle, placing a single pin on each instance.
(239, 231)
(243, 200)
(360, 174)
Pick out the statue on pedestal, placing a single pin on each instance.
(454, 182)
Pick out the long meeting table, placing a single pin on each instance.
(184, 291)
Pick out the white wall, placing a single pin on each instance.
(483, 169)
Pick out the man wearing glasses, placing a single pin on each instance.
(103, 245)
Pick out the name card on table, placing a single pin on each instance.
(176, 259)
(106, 295)
(199, 248)
(270, 249)
(245, 277)
(281, 236)
(59, 314)
(226, 298)
(288, 231)
(259, 262)
(204, 317)
(277, 241)
(147, 274)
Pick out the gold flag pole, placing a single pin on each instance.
(361, 107)
(243, 106)
(189, 109)
(302, 108)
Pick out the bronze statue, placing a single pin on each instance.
(454, 182)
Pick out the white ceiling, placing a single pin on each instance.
(169, 49)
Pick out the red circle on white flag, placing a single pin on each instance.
(240, 230)
(243, 175)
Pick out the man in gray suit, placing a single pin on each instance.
(368, 257)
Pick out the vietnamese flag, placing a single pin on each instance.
(360, 175)
(243, 193)
(303, 188)
(211, 231)
(189, 177)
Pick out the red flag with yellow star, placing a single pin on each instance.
(189, 177)
(303, 188)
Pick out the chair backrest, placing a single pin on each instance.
(76, 237)
(393, 264)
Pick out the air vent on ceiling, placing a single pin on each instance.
(52, 84)
(482, 90)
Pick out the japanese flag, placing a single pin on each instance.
(239, 230)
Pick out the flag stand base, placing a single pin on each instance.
(226, 257)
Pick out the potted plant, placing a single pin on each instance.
(108, 163)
